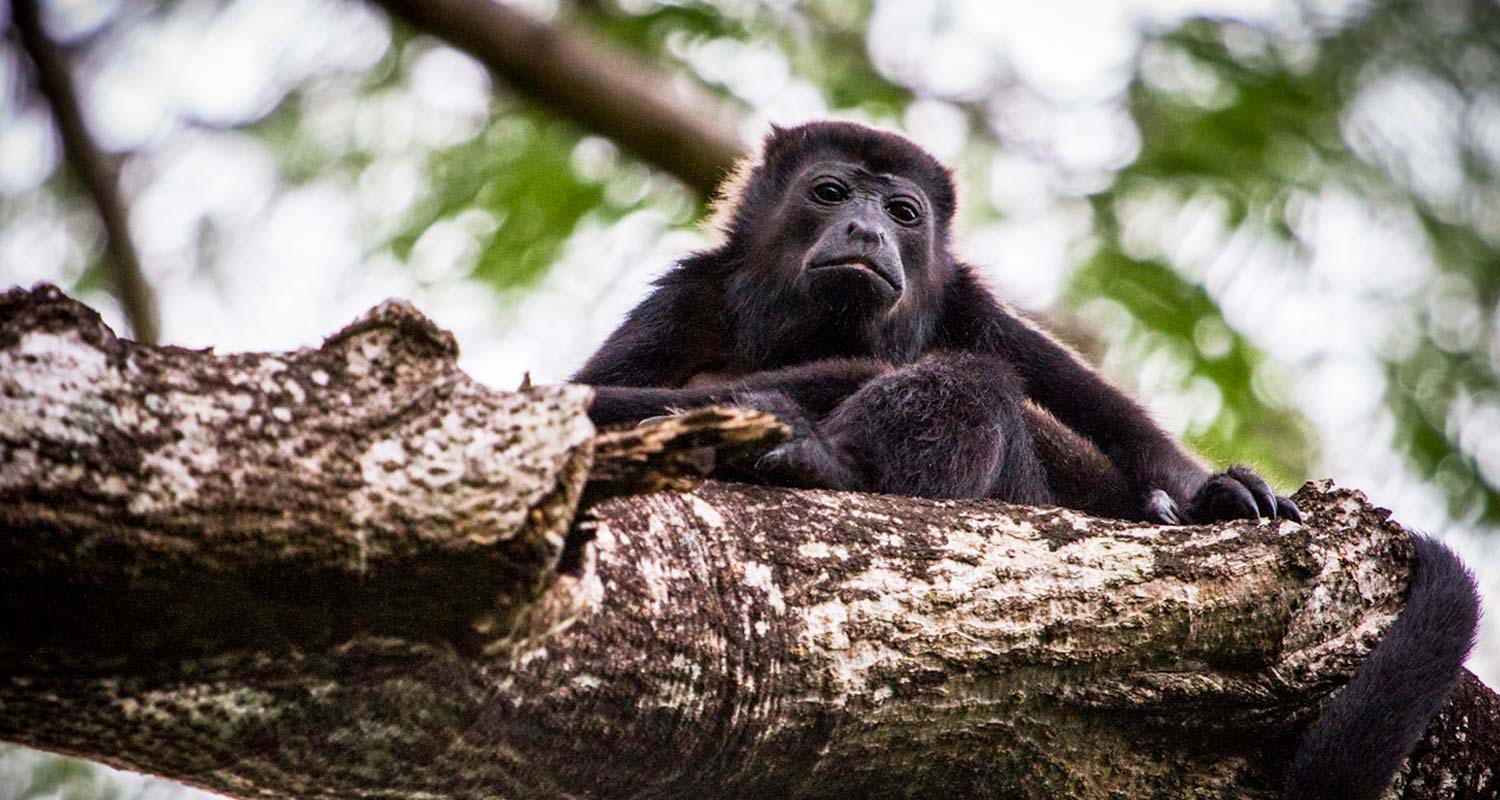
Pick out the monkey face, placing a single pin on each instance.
(836, 245)
(859, 239)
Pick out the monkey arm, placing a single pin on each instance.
(634, 355)
(664, 341)
(1168, 483)
(816, 387)
(1083, 400)
(1078, 474)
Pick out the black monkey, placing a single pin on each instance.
(835, 303)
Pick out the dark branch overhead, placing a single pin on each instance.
(586, 79)
(93, 168)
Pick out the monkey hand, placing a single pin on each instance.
(806, 460)
(1236, 493)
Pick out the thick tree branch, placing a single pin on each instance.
(256, 502)
(351, 572)
(585, 79)
(93, 168)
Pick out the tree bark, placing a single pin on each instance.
(352, 572)
(589, 81)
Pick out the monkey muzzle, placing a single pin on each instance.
(857, 266)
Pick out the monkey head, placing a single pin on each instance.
(840, 232)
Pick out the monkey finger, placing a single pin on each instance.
(1288, 510)
(800, 464)
(1162, 509)
(1223, 498)
(1265, 499)
(779, 467)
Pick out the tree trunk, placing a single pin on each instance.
(352, 572)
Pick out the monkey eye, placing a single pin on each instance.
(903, 211)
(830, 192)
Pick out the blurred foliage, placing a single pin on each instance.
(1278, 125)
(823, 42)
(53, 777)
(518, 176)
(1171, 312)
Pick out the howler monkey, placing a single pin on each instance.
(835, 303)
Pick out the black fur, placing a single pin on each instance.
(898, 372)
(911, 376)
(1353, 749)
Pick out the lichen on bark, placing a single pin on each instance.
(411, 501)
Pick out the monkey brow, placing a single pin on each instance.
(861, 172)
(887, 181)
(878, 177)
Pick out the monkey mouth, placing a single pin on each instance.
(859, 263)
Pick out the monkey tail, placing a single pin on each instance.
(1352, 751)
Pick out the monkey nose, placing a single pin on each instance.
(861, 232)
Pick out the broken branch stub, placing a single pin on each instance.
(244, 501)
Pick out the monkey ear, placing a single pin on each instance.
(784, 141)
(775, 139)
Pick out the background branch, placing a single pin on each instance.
(93, 169)
(589, 81)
